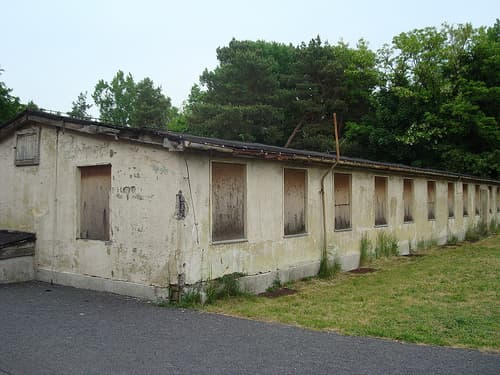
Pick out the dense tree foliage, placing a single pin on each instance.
(262, 91)
(437, 104)
(429, 99)
(80, 108)
(9, 104)
(125, 102)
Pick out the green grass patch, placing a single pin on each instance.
(448, 297)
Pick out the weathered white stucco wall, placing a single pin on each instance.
(149, 249)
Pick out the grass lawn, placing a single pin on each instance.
(448, 297)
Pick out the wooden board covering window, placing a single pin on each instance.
(465, 197)
(94, 202)
(498, 199)
(380, 200)
(228, 201)
(451, 199)
(408, 200)
(342, 198)
(28, 147)
(294, 201)
(431, 200)
(476, 200)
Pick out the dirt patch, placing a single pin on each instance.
(414, 255)
(278, 293)
(363, 270)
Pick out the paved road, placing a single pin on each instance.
(48, 329)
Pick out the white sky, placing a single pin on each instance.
(52, 50)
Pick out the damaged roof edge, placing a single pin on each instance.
(180, 142)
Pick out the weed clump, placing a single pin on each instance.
(452, 240)
(277, 284)
(224, 287)
(328, 269)
(386, 245)
(365, 250)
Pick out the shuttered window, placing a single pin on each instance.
(28, 147)
(228, 201)
(294, 201)
(94, 202)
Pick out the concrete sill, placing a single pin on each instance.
(228, 241)
(296, 235)
(343, 230)
(381, 226)
(409, 222)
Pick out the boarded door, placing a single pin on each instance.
(94, 202)
(228, 201)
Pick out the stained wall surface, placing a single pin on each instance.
(150, 247)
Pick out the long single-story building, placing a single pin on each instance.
(141, 211)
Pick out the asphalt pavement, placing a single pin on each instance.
(50, 329)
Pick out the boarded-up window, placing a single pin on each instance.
(490, 199)
(228, 201)
(498, 199)
(451, 199)
(342, 194)
(28, 147)
(408, 200)
(94, 202)
(476, 200)
(380, 200)
(294, 201)
(465, 197)
(431, 200)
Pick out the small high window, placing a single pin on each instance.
(294, 201)
(28, 147)
(431, 200)
(465, 197)
(342, 197)
(408, 200)
(95, 187)
(451, 199)
(228, 201)
(380, 200)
